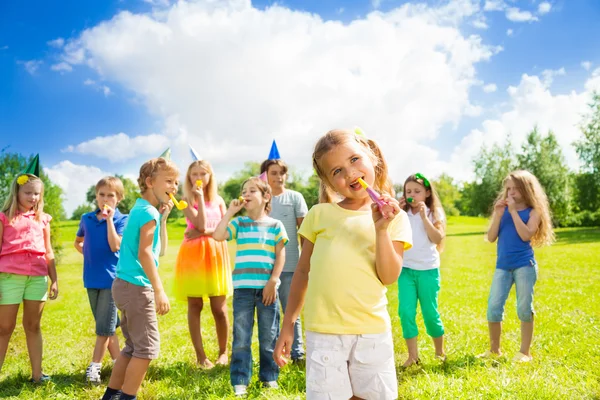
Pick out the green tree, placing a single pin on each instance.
(11, 164)
(588, 150)
(80, 210)
(308, 188)
(232, 188)
(542, 156)
(448, 192)
(130, 195)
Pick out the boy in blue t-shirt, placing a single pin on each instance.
(137, 290)
(99, 240)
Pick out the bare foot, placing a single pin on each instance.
(410, 362)
(222, 360)
(206, 364)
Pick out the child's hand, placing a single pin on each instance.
(387, 213)
(500, 206)
(281, 354)
(107, 212)
(510, 203)
(198, 190)
(192, 234)
(165, 209)
(422, 209)
(161, 302)
(402, 202)
(235, 206)
(53, 291)
(270, 292)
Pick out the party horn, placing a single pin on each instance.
(199, 183)
(373, 194)
(241, 199)
(179, 204)
(410, 200)
(105, 211)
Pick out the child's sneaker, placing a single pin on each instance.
(240, 390)
(43, 379)
(92, 373)
(271, 385)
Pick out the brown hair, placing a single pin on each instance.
(336, 137)
(11, 204)
(264, 189)
(264, 167)
(534, 197)
(188, 185)
(113, 183)
(152, 167)
(432, 202)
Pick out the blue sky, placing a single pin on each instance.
(46, 106)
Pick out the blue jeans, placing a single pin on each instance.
(524, 279)
(297, 352)
(104, 310)
(245, 301)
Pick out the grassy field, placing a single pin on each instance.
(566, 345)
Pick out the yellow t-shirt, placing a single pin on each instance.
(344, 294)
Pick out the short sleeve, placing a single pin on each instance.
(46, 218)
(147, 215)
(400, 230)
(120, 225)
(3, 219)
(281, 234)
(232, 228)
(307, 229)
(81, 230)
(300, 207)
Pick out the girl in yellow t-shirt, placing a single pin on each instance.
(353, 249)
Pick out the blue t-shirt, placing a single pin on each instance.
(99, 262)
(513, 252)
(129, 267)
(255, 254)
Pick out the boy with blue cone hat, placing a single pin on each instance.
(290, 208)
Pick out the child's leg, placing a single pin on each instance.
(117, 376)
(134, 375)
(525, 278)
(268, 332)
(327, 374)
(428, 288)
(106, 317)
(113, 347)
(8, 321)
(195, 305)
(218, 306)
(372, 368)
(240, 369)
(501, 284)
(407, 309)
(32, 315)
(297, 352)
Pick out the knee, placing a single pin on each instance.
(525, 313)
(195, 304)
(7, 327)
(219, 311)
(31, 326)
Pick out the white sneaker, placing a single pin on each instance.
(271, 385)
(240, 390)
(92, 373)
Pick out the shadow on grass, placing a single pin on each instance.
(16, 384)
(578, 235)
(451, 367)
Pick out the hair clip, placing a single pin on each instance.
(23, 179)
(419, 175)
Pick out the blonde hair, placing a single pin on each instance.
(264, 190)
(188, 185)
(152, 167)
(113, 183)
(337, 137)
(11, 204)
(534, 197)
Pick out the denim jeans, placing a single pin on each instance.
(524, 279)
(104, 310)
(284, 293)
(245, 301)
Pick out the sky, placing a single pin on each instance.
(97, 88)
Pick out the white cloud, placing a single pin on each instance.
(228, 78)
(106, 90)
(473, 111)
(509, 32)
(31, 66)
(544, 7)
(480, 23)
(62, 67)
(490, 87)
(494, 5)
(375, 3)
(57, 43)
(121, 147)
(516, 15)
(531, 103)
(586, 65)
(75, 180)
(549, 74)
(89, 82)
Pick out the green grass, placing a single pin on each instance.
(566, 342)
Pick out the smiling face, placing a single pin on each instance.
(417, 192)
(343, 165)
(29, 194)
(164, 182)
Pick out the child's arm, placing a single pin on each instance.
(435, 232)
(270, 289)
(1, 234)
(220, 232)
(147, 260)
(114, 240)
(388, 253)
(51, 264)
(294, 305)
(165, 209)
(78, 244)
(525, 231)
(492, 233)
(197, 217)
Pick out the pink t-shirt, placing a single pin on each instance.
(23, 248)
(213, 215)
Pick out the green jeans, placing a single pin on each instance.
(421, 286)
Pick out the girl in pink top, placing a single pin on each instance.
(202, 269)
(26, 262)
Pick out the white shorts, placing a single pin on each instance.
(341, 366)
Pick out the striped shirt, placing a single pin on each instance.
(255, 254)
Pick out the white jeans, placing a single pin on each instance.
(341, 366)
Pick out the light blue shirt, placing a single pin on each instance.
(129, 267)
(287, 207)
